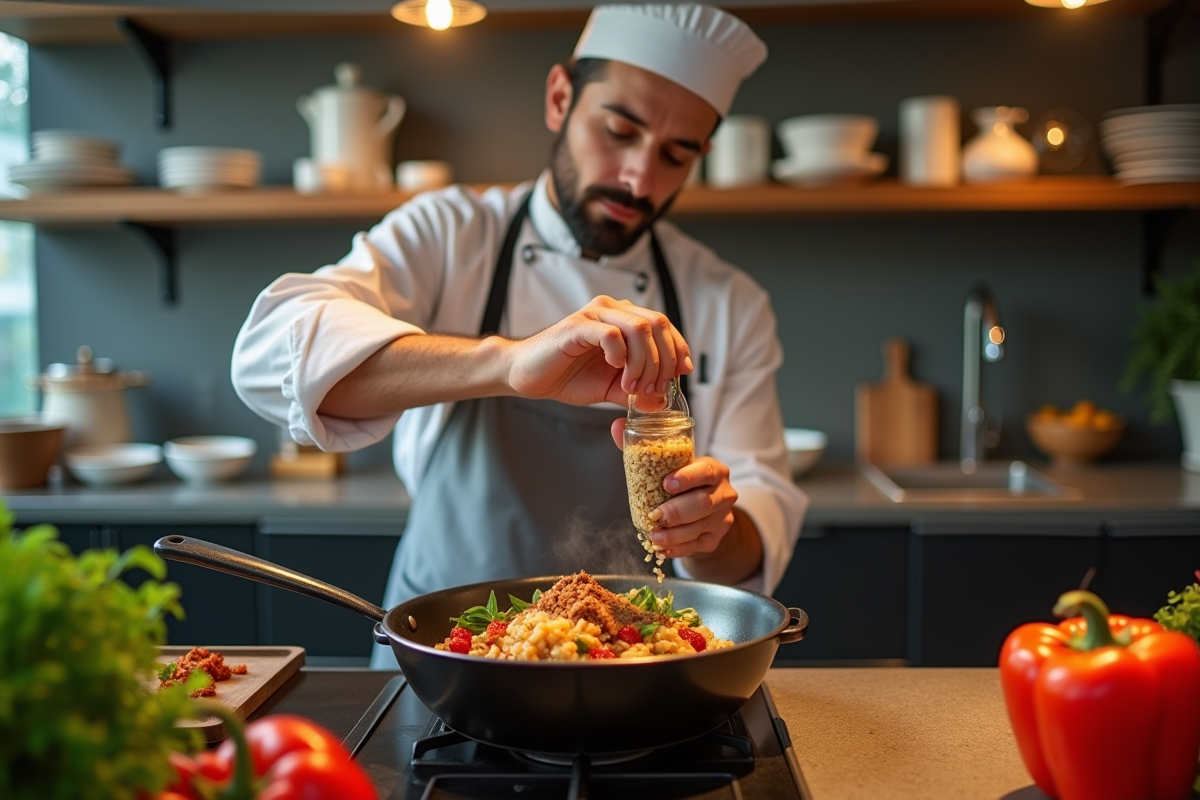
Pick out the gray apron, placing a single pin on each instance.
(517, 487)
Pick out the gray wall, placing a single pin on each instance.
(1067, 284)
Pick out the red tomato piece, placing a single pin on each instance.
(497, 627)
(461, 633)
(694, 638)
(629, 635)
(601, 652)
(460, 646)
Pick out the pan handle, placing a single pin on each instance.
(224, 559)
(797, 627)
(379, 635)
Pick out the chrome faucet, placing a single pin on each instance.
(983, 340)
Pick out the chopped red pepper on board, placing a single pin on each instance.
(1104, 707)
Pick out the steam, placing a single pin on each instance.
(612, 550)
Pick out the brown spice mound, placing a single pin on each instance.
(579, 597)
(210, 662)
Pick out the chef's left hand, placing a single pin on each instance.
(700, 511)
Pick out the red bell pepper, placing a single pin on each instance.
(1104, 707)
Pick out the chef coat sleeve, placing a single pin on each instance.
(748, 435)
(306, 332)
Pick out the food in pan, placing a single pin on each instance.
(211, 662)
(579, 619)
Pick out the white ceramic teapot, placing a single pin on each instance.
(352, 128)
(997, 152)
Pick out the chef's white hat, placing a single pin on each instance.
(701, 48)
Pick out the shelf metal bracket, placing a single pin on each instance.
(165, 245)
(156, 51)
(1159, 27)
(1156, 225)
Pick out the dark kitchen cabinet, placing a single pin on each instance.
(219, 608)
(972, 582)
(851, 581)
(355, 559)
(1145, 559)
(76, 537)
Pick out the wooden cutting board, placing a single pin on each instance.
(895, 420)
(267, 668)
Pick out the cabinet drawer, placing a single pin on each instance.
(220, 608)
(971, 584)
(851, 581)
(356, 563)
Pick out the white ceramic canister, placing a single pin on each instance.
(89, 398)
(353, 126)
(997, 152)
(930, 141)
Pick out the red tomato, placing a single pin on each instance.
(273, 737)
(186, 770)
(317, 775)
(212, 766)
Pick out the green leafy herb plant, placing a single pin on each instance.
(1182, 611)
(1166, 343)
(79, 714)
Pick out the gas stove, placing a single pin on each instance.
(411, 755)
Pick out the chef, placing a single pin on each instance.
(500, 334)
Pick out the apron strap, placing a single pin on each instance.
(498, 293)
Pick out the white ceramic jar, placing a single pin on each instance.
(997, 152)
(89, 398)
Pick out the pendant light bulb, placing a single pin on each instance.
(440, 14)
(1066, 3)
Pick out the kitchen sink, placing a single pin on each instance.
(947, 482)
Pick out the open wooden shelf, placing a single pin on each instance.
(39, 22)
(152, 206)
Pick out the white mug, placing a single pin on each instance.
(420, 176)
(930, 141)
(741, 152)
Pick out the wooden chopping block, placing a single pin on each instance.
(895, 420)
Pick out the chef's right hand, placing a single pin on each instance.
(607, 350)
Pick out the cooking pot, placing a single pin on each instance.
(609, 707)
(89, 398)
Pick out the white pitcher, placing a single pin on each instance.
(352, 126)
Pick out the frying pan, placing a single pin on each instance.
(607, 707)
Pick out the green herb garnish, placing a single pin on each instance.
(645, 598)
(648, 629)
(1182, 611)
(477, 618)
(581, 646)
(168, 671)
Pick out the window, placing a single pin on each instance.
(18, 294)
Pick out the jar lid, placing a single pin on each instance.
(665, 413)
(90, 374)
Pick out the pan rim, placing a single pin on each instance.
(425, 649)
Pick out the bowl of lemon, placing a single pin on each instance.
(1075, 436)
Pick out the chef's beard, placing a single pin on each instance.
(604, 236)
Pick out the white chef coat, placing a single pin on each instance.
(427, 266)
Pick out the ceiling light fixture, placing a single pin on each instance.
(1064, 3)
(441, 14)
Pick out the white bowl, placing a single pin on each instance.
(203, 460)
(823, 135)
(805, 447)
(111, 464)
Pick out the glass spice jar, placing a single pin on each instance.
(659, 439)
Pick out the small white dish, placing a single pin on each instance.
(203, 460)
(805, 447)
(823, 173)
(112, 464)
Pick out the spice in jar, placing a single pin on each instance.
(658, 441)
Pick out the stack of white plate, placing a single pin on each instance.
(70, 159)
(198, 169)
(1153, 144)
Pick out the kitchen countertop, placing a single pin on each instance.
(924, 734)
(913, 733)
(839, 495)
